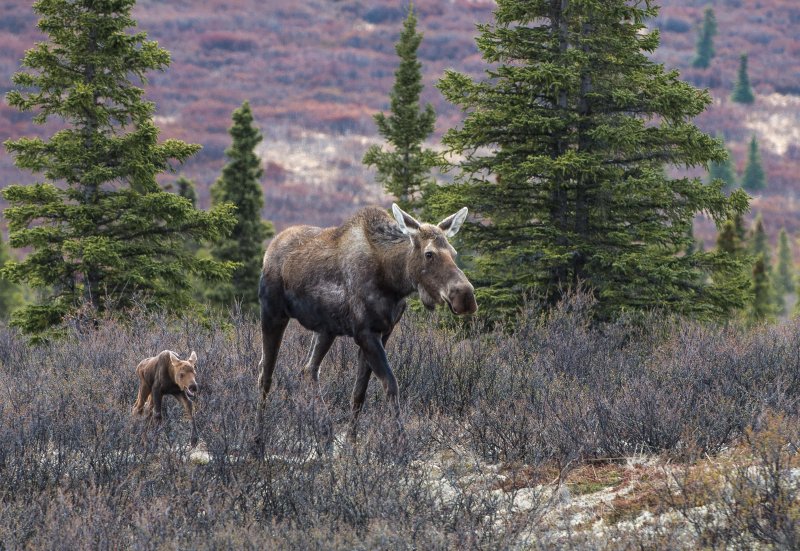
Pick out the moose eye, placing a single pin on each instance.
(428, 255)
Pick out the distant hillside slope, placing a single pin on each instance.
(315, 71)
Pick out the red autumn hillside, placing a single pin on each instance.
(315, 71)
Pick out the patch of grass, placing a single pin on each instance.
(518, 476)
(592, 478)
(642, 496)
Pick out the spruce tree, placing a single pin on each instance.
(723, 170)
(754, 178)
(705, 40)
(10, 293)
(404, 168)
(784, 279)
(240, 184)
(100, 230)
(187, 189)
(762, 307)
(742, 92)
(563, 163)
(732, 248)
(760, 242)
(729, 240)
(760, 249)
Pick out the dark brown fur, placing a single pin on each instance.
(167, 374)
(353, 280)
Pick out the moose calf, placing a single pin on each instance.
(167, 374)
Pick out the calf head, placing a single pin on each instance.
(431, 263)
(184, 374)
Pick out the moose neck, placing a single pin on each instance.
(397, 270)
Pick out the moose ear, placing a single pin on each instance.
(406, 222)
(452, 223)
(192, 358)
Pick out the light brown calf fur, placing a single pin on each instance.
(167, 374)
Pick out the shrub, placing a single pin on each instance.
(554, 393)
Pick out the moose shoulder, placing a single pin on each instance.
(353, 280)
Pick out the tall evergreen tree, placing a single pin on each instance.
(727, 240)
(10, 293)
(760, 250)
(754, 177)
(564, 166)
(723, 170)
(762, 307)
(107, 233)
(760, 242)
(404, 168)
(731, 247)
(784, 279)
(705, 40)
(742, 92)
(240, 184)
(187, 189)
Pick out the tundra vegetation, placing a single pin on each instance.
(706, 414)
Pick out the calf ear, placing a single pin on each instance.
(406, 222)
(452, 223)
(192, 358)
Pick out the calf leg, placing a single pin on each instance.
(156, 398)
(188, 408)
(319, 347)
(141, 399)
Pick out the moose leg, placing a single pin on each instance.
(188, 408)
(359, 391)
(272, 335)
(156, 397)
(362, 382)
(141, 399)
(372, 346)
(319, 347)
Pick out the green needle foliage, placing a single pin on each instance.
(742, 92)
(763, 306)
(705, 40)
(730, 241)
(764, 285)
(404, 168)
(784, 280)
(186, 189)
(732, 247)
(10, 293)
(754, 177)
(723, 170)
(760, 242)
(100, 230)
(564, 146)
(240, 184)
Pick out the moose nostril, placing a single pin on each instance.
(462, 299)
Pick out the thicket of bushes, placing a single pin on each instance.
(77, 471)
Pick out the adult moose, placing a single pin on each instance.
(353, 280)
